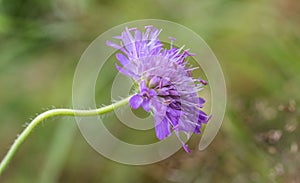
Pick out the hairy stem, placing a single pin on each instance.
(51, 113)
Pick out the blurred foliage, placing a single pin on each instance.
(257, 43)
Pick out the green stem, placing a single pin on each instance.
(51, 113)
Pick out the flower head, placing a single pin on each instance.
(166, 86)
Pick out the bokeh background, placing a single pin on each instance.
(256, 41)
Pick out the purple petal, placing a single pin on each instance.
(162, 129)
(185, 147)
(129, 42)
(163, 91)
(172, 39)
(111, 44)
(117, 37)
(143, 86)
(126, 72)
(154, 81)
(137, 35)
(197, 130)
(173, 119)
(204, 82)
(136, 101)
(122, 59)
(146, 105)
(174, 92)
(174, 112)
(158, 107)
(176, 105)
(201, 101)
(152, 93)
(202, 117)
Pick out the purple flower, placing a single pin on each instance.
(166, 86)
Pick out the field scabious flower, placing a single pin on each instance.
(166, 86)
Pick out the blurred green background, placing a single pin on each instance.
(256, 41)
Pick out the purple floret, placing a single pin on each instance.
(166, 86)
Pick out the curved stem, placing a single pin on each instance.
(51, 113)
